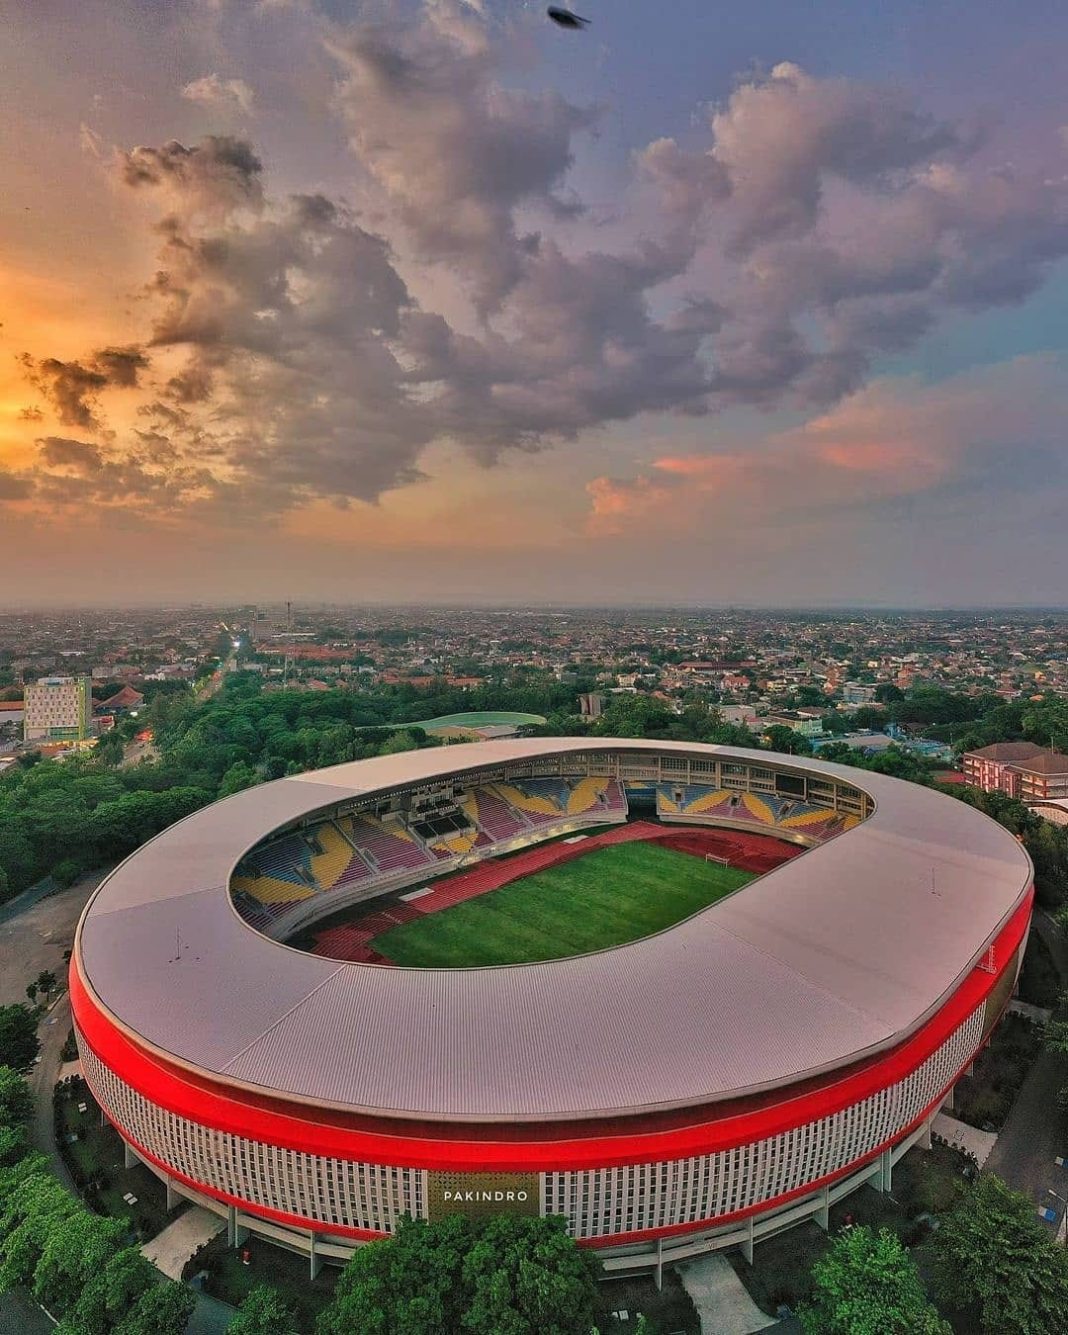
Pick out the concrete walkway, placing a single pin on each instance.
(210, 1316)
(964, 1137)
(52, 1032)
(171, 1249)
(723, 1304)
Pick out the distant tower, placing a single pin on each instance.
(289, 631)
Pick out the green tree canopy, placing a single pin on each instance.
(527, 1277)
(16, 1101)
(264, 1312)
(77, 1249)
(408, 1284)
(867, 1284)
(992, 1252)
(115, 1289)
(162, 1310)
(33, 1206)
(503, 1276)
(783, 739)
(19, 1044)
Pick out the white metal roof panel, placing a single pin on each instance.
(838, 953)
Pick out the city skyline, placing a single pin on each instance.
(439, 304)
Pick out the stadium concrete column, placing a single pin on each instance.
(235, 1233)
(747, 1244)
(823, 1214)
(659, 1264)
(884, 1178)
(173, 1196)
(128, 1156)
(315, 1261)
(925, 1139)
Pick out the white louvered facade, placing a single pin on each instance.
(600, 1204)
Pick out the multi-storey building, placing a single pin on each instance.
(58, 709)
(1020, 769)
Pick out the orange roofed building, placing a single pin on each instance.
(1019, 769)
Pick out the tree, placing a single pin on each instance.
(503, 1276)
(16, 1101)
(35, 1205)
(780, 738)
(162, 1310)
(111, 1292)
(867, 1284)
(401, 740)
(869, 718)
(264, 1312)
(46, 981)
(19, 1044)
(992, 1252)
(409, 1284)
(887, 693)
(527, 1277)
(238, 777)
(77, 1249)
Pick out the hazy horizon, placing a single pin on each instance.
(530, 607)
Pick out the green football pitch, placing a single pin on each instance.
(604, 898)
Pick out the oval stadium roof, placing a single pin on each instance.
(836, 955)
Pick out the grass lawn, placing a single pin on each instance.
(1040, 983)
(985, 1098)
(96, 1162)
(476, 718)
(604, 898)
(669, 1312)
(925, 1182)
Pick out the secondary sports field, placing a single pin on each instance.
(477, 718)
(604, 898)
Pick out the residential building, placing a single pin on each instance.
(1021, 769)
(58, 709)
(805, 725)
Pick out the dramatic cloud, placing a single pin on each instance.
(74, 388)
(225, 95)
(121, 366)
(454, 153)
(780, 139)
(995, 429)
(811, 227)
(214, 177)
(79, 455)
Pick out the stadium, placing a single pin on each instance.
(684, 995)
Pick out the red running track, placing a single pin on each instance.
(352, 941)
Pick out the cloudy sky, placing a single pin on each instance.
(747, 303)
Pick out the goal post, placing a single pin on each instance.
(716, 858)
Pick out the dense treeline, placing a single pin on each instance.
(62, 818)
(82, 1267)
(504, 1274)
